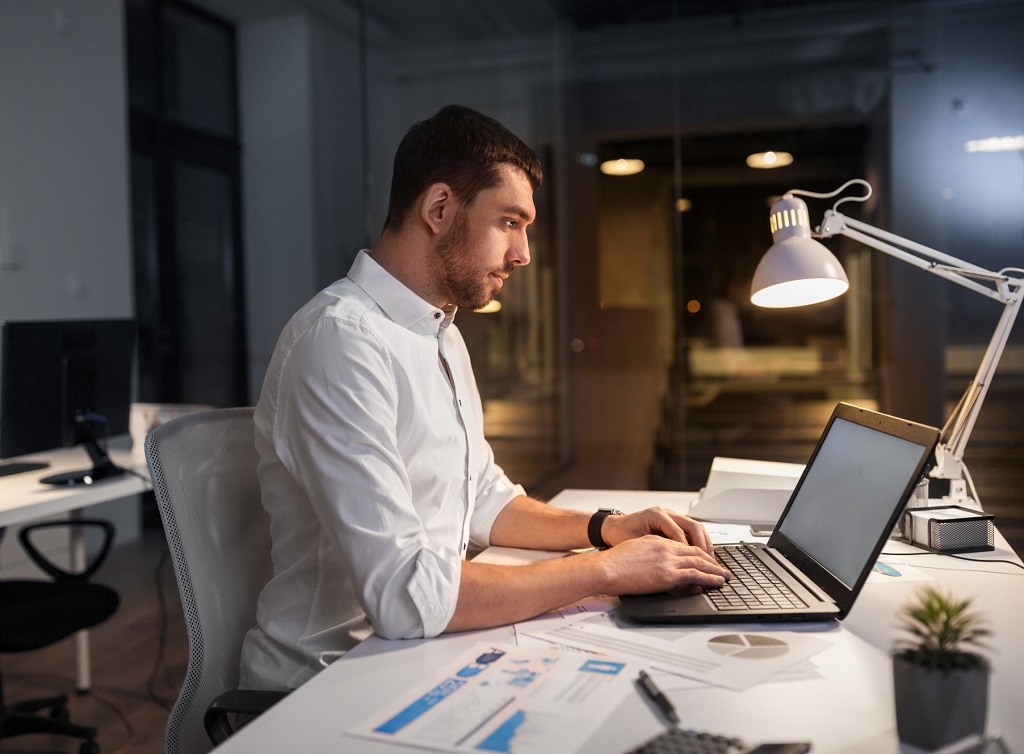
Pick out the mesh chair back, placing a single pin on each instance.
(204, 475)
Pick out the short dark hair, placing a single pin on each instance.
(460, 147)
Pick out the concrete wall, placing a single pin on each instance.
(64, 197)
(303, 201)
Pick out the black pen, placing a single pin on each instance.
(652, 692)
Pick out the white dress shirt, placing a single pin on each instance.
(375, 472)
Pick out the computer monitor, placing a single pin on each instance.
(64, 383)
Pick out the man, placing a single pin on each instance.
(373, 463)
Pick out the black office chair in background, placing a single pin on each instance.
(35, 613)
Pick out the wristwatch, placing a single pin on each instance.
(594, 527)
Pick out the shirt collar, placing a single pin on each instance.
(404, 307)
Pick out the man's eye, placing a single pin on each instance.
(511, 223)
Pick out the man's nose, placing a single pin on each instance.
(519, 253)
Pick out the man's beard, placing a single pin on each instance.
(466, 282)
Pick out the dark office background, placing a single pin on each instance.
(208, 166)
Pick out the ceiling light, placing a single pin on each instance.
(765, 160)
(622, 167)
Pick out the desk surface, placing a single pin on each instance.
(847, 708)
(23, 497)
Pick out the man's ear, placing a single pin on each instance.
(437, 207)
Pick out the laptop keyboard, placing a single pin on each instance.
(753, 584)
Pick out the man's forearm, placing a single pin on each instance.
(493, 595)
(529, 523)
(653, 550)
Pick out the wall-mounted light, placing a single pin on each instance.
(683, 204)
(768, 160)
(996, 144)
(622, 167)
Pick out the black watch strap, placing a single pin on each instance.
(594, 527)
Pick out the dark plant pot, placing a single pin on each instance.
(936, 708)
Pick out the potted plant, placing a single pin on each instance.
(941, 682)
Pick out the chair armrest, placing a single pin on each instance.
(51, 568)
(240, 702)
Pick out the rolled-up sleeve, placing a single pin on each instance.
(494, 492)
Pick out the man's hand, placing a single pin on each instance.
(654, 563)
(660, 521)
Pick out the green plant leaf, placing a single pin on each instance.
(943, 632)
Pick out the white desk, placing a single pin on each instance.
(23, 498)
(848, 709)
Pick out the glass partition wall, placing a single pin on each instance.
(627, 355)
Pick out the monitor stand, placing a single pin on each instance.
(102, 466)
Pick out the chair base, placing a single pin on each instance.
(22, 718)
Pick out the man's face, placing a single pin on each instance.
(487, 240)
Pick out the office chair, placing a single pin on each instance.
(35, 613)
(203, 468)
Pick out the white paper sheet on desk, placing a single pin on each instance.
(507, 699)
(733, 658)
(527, 632)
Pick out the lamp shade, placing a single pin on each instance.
(796, 270)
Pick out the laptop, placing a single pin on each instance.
(837, 520)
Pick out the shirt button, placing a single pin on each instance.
(437, 315)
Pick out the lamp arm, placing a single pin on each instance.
(960, 424)
(946, 266)
(1007, 291)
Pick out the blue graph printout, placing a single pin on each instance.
(440, 692)
(501, 739)
(508, 700)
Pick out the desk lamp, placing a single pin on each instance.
(798, 270)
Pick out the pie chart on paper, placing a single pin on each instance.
(748, 646)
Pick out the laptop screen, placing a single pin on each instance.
(847, 501)
(857, 479)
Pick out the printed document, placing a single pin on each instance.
(732, 658)
(507, 699)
